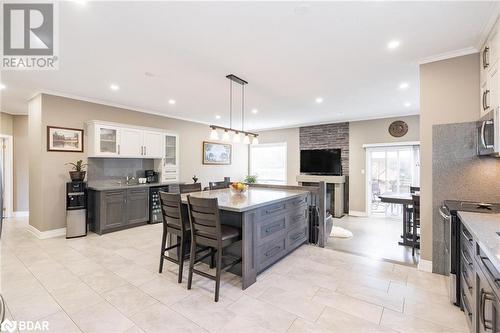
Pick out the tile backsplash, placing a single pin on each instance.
(458, 174)
(117, 168)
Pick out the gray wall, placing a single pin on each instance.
(458, 174)
(21, 161)
(329, 136)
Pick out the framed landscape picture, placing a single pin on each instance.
(64, 139)
(217, 153)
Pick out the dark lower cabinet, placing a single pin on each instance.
(479, 286)
(117, 209)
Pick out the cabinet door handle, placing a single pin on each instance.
(469, 263)
(486, 99)
(118, 149)
(485, 296)
(145, 150)
(483, 100)
(485, 59)
(271, 211)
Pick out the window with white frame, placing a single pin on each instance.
(268, 162)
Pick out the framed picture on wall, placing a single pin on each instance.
(217, 153)
(64, 139)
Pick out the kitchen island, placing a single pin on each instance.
(273, 223)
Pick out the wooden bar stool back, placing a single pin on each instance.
(207, 230)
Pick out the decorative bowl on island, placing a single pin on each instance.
(238, 187)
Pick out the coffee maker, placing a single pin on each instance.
(151, 176)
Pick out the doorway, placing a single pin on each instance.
(6, 173)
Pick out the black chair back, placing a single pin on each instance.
(414, 189)
(204, 221)
(174, 214)
(218, 185)
(188, 188)
(416, 208)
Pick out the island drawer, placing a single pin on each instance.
(270, 252)
(271, 210)
(271, 228)
(296, 202)
(296, 237)
(297, 217)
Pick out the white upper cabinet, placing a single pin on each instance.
(106, 140)
(171, 150)
(489, 85)
(153, 144)
(115, 140)
(131, 142)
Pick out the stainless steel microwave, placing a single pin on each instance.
(488, 134)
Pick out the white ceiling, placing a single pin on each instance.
(290, 53)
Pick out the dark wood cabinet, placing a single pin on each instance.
(117, 209)
(137, 205)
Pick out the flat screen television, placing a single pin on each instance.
(321, 162)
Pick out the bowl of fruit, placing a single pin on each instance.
(238, 187)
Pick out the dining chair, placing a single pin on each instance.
(188, 188)
(176, 223)
(219, 185)
(415, 223)
(207, 230)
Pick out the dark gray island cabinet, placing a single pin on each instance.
(273, 223)
(111, 210)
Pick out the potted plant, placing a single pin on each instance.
(251, 179)
(77, 174)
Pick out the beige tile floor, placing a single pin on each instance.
(110, 284)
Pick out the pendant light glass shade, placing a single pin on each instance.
(214, 135)
(236, 137)
(246, 140)
(225, 136)
(255, 141)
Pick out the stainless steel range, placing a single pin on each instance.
(452, 243)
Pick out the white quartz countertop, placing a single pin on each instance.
(252, 199)
(484, 228)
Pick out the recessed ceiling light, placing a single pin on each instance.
(393, 44)
(114, 87)
(255, 111)
(2, 86)
(217, 116)
(403, 85)
(319, 100)
(171, 101)
(407, 104)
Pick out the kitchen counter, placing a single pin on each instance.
(252, 199)
(114, 185)
(484, 228)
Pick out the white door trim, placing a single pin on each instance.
(9, 175)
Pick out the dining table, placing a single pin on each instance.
(405, 199)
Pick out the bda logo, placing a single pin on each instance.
(8, 326)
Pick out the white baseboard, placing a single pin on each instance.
(425, 265)
(358, 213)
(46, 234)
(21, 213)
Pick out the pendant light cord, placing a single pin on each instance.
(242, 107)
(230, 104)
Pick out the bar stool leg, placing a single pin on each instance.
(191, 262)
(181, 259)
(217, 274)
(163, 243)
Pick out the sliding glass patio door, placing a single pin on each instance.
(390, 170)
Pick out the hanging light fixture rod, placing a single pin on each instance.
(236, 79)
(226, 129)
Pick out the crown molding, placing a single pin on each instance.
(111, 104)
(488, 25)
(449, 55)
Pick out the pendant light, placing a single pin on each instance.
(237, 134)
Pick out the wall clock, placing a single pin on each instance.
(398, 128)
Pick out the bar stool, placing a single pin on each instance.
(206, 230)
(175, 222)
(188, 188)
